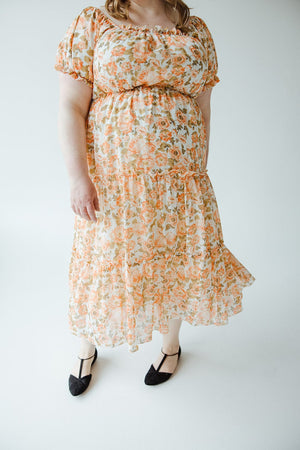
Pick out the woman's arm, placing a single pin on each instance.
(203, 101)
(74, 103)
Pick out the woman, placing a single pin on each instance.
(134, 124)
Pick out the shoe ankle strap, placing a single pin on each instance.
(88, 357)
(169, 355)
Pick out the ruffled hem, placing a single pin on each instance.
(163, 329)
(211, 305)
(75, 75)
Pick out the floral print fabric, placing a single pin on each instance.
(156, 251)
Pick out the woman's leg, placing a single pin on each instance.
(170, 345)
(86, 349)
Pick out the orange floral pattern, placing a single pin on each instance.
(156, 251)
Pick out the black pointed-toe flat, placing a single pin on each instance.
(154, 376)
(78, 385)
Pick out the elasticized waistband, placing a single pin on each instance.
(153, 88)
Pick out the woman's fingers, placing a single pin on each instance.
(84, 199)
(75, 209)
(83, 213)
(88, 212)
(91, 212)
(96, 203)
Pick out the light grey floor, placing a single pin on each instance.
(236, 387)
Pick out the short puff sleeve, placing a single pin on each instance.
(212, 68)
(75, 52)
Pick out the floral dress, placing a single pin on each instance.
(156, 251)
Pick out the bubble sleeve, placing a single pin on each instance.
(75, 52)
(212, 60)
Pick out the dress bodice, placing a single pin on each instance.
(115, 58)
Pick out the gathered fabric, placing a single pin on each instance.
(156, 251)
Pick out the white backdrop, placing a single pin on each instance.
(237, 386)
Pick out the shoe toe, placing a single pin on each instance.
(153, 377)
(78, 385)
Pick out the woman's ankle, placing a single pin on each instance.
(86, 348)
(170, 347)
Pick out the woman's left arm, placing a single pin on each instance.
(203, 101)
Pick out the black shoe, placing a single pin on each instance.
(78, 385)
(153, 376)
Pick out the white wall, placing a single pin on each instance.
(246, 391)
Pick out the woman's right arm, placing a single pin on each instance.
(74, 103)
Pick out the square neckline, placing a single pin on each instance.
(129, 26)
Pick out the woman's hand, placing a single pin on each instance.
(84, 198)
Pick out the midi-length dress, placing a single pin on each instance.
(156, 251)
